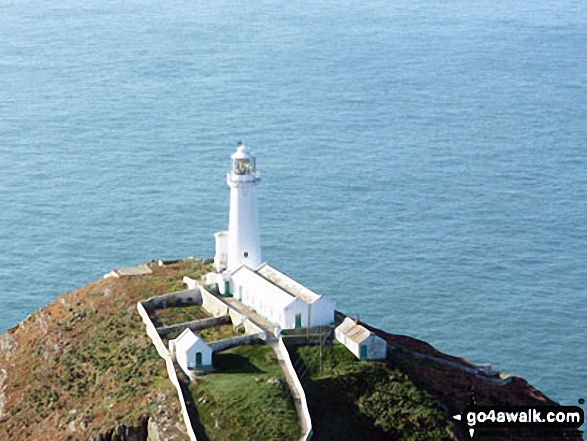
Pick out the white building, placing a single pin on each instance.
(191, 352)
(279, 298)
(241, 244)
(360, 341)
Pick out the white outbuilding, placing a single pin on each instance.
(191, 352)
(360, 341)
(279, 298)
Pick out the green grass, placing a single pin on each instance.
(358, 400)
(240, 402)
(88, 352)
(174, 315)
(218, 332)
(209, 335)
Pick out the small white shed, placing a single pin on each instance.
(360, 341)
(191, 352)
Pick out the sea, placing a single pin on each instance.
(424, 164)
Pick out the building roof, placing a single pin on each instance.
(242, 152)
(186, 340)
(353, 331)
(131, 271)
(283, 298)
(286, 283)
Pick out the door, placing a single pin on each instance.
(198, 359)
(363, 352)
(298, 321)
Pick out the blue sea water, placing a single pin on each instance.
(424, 163)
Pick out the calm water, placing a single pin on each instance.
(424, 163)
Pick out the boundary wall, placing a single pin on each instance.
(221, 312)
(187, 297)
(164, 353)
(212, 304)
(227, 343)
(305, 413)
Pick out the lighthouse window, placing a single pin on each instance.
(244, 166)
(246, 254)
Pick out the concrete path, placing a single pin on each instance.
(261, 322)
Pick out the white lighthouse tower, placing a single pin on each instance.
(244, 246)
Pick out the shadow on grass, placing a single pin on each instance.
(154, 318)
(234, 364)
(331, 402)
(192, 411)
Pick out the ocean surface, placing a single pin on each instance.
(424, 163)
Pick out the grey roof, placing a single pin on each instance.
(134, 270)
(287, 284)
(353, 331)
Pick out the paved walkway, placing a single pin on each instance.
(261, 322)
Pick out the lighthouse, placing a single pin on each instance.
(240, 272)
(243, 244)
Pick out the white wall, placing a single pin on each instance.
(322, 313)
(376, 348)
(350, 344)
(187, 297)
(305, 420)
(187, 359)
(221, 255)
(264, 297)
(297, 307)
(212, 304)
(216, 279)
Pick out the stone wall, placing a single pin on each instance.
(186, 297)
(227, 343)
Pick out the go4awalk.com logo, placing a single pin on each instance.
(547, 418)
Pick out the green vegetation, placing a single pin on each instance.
(86, 361)
(357, 400)
(245, 398)
(218, 332)
(174, 315)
